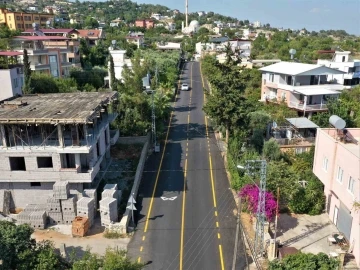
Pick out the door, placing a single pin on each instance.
(336, 211)
(344, 221)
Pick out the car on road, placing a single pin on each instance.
(185, 87)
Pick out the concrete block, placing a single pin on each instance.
(38, 219)
(69, 205)
(23, 217)
(111, 186)
(53, 205)
(61, 190)
(55, 218)
(68, 217)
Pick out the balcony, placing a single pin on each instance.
(66, 64)
(296, 141)
(39, 66)
(307, 107)
(313, 88)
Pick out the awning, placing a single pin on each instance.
(302, 122)
(315, 92)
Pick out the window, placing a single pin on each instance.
(343, 58)
(18, 18)
(36, 18)
(39, 59)
(271, 77)
(35, 184)
(67, 161)
(15, 82)
(325, 163)
(339, 174)
(9, 18)
(299, 150)
(54, 65)
(351, 185)
(17, 163)
(44, 162)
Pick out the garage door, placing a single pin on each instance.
(344, 221)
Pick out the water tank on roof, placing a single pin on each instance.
(337, 122)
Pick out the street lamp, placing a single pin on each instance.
(260, 214)
(113, 42)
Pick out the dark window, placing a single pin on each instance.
(67, 161)
(44, 162)
(35, 184)
(17, 163)
(343, 58)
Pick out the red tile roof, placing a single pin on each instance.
(10, 53)
(87, 33)
(40, 38)
(62, 30)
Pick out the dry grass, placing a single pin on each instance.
(126, 152)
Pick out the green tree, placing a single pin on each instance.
(43, 83)
(300, 261)
(112, 74)
(27, 73)
(272, 150)
(117, 260)
(91, 23)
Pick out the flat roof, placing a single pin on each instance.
(302, 122)
(41, 38)
(293, 68)
(10, 53)
(57, 30)
(77, 107)
(312, 91)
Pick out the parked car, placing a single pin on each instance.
(185, 87)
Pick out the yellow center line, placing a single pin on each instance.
(139, 259)
(219, 235)
(217, 224)
(185, 176)
(159, 169)
(183, 219)
(143, 238)
(215, 213)
(221, 258)
(141, 249)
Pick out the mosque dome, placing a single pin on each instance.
(194, 24)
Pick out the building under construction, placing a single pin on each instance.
(49, 138)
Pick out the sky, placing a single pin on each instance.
(294, 14)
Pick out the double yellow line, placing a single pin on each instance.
(212, 182)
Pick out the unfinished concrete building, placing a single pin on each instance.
(54, 137)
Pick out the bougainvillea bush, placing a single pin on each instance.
(250, 193)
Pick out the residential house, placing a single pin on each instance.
(257, 24)
(145, 23)
(73, 44)
(116, 22)
(336, 164)
(296, 135)
(120, 61)
(49, 9)
(156, 16)
(303, 87)
(168, 46)
(33, 8)
(176, 11)
(92, 36)
(344, 62)
(11, 74)
(47, 54)
(22, 20)
(48, 138)
(135, 38)
(201, 13)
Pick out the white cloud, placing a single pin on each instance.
(315, 10)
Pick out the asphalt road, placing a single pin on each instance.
(185, 216)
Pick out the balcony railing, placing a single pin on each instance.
(307, 107)
(296, 141)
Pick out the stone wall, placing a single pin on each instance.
(124, 222)
(133, 140)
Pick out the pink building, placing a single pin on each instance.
(303, 87)
(337, 165)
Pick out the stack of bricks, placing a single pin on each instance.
(85, 208)
(54, 211)
(61, 190)
(68, 209)
(91, 193)
(111, 191)
(80, 226)
(108, 211)
(34, 215)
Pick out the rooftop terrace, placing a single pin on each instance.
(65, 108)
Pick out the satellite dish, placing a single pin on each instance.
(292, 53)
(337, 122)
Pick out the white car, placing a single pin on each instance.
(185, 87)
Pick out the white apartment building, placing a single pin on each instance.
(11, 74)
(257, 24)
(119, 63)
(303, 87)
(54, 137)
(343, 61)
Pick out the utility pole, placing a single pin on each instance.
(186, 13)
(276, 219)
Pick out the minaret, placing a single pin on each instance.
(186, 13)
